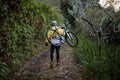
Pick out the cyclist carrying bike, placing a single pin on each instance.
(55, 39)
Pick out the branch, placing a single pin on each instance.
(90, 23)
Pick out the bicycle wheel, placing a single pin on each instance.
(71, 39)
(56, 41)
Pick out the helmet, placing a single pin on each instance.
(54, 23)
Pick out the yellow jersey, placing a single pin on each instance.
(51, 33)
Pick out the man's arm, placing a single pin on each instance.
(49, 35)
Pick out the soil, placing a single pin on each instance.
(37, 68)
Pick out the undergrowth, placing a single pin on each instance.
(22, 23)
(97, 63)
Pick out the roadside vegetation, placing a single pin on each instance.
(98, 29)
(23, 24)
(97, 63)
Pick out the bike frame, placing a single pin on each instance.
(66, 30)
(67, 36)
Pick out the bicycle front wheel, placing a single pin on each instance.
(71, 39)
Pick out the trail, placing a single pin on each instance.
(37, 68)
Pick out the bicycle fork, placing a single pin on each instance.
(69, 36)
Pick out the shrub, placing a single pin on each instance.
(98, 63)
(27, 21)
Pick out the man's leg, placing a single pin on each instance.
(51, 52)
(57, 53)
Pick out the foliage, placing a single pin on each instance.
(98, 63)
(98, 22)
(22, 22)
(70, 10)
(4, 70)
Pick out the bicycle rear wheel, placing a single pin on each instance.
(53, 32)
(71, 39)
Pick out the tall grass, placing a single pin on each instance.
(95, 63)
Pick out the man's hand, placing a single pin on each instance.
(46, 44)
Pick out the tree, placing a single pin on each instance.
(70, 10)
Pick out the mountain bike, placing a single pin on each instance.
(69, 36)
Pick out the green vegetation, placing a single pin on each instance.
(70, 11)
(98, 49)
(97, 63)
(22, 22)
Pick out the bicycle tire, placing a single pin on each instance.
(73, 36)
(49, 39)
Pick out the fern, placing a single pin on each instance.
(4, 70)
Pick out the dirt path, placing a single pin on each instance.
(38, 67)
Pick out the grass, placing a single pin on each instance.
(98, 63)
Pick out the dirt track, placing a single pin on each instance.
(37, 68)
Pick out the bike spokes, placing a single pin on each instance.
(71, 39)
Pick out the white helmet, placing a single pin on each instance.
(54, 23)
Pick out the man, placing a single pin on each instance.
(57, 47)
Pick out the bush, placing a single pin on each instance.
(98, 63)
(27, 21)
